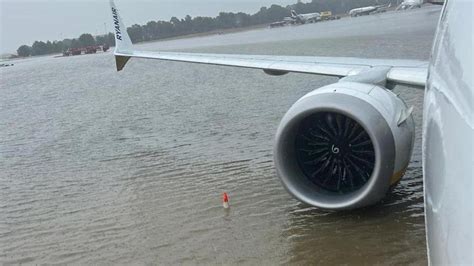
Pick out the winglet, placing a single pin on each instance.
(123, 44)
(121, 61)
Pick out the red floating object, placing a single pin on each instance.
(225, 200)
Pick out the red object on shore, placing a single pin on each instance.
(225, 200)
(86, 50)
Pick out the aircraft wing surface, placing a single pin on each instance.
(407, 72)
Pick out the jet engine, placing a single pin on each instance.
(344, 145)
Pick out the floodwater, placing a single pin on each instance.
(105, 167)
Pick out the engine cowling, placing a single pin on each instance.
(344, 145)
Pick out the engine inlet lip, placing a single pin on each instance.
(360, 111)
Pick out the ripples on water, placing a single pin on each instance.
(98, 166)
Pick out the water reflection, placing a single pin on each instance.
(375, 235)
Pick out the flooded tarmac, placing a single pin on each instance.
(105, 167)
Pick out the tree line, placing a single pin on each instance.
(86, 39)
(155, 30)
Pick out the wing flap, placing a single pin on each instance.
(409, 75)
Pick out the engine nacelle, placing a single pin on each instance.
(344, 145)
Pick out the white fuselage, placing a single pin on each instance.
(304, 18)
(368, 10)
(448, 136)
(362, 10)
(310, 16)
(409, 4)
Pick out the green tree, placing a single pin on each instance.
(67, 43)
(101, 39)
(174, 20)
(75, 43)
(39, 48)
(203, 24)
(226, 20)
(49, 47)
(111, 39)
(86, 39)
(24, 51)
(136, 33)
(58, 46)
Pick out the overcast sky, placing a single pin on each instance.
(24, 21)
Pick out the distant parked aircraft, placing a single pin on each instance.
(368, 10)
(410, 4)
(304, 18)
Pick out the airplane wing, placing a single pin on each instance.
(406, 72)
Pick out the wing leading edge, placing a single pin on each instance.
(406, 72)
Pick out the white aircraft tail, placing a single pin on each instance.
(293, 13)
(123, 43)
